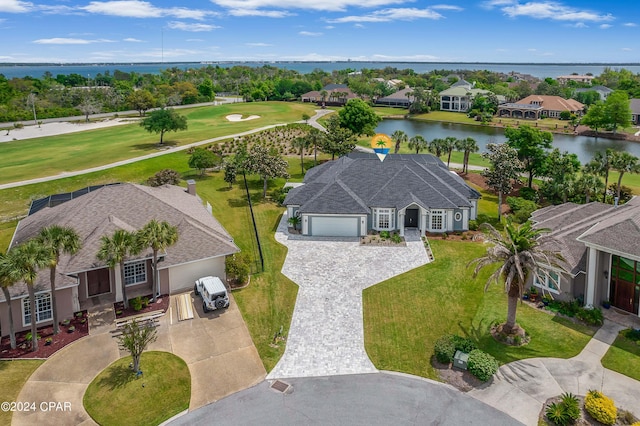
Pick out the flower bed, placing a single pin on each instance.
(79, 324)
(161, 304)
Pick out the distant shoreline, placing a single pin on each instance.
(62, 64)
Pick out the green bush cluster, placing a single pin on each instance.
(280, 194)
(632, 334)
(590, 316)
(600, 407)
(447, 345)
(473, 225)
(482, 365)
(529, 194)
(564, 412)
(521, 208)
(164, 177)
(136, 303)
(237, 266)
(573, 308)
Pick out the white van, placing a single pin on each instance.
(214, 293)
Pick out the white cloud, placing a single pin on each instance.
(547, 10)
(627, 49)
(63, 40)
(261, 13)
(318, 5)
(386, 15)
(359, 26)
(309, 34)
(579, 25)
(142, 9)
(532, 50)
(630, 24)
(133, 40)
(408, 58)
(15, 6)
(195, 40)
(446, 7)
(329, 27)
(258, 44)
(605, 26)
(192, 27)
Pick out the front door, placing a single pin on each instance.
(411, 218)
(98, 282)
(623, 294)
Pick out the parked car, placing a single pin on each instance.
(214, 293)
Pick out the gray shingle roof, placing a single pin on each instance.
(573, 225)
(130, 207)
(354, 183)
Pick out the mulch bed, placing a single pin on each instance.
(585, 418)
(161, 304)
(58, 341)
(460, 379)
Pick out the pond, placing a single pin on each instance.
(584, 147)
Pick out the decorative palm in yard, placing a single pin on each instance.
(6, 281)
(518, 252)
(158, 236)
(115, 250)
(58, 240)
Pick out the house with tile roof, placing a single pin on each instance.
(336, 95)
(576, 78)
(359, 193)
(539, 106)
(599, 244)
(84, 280)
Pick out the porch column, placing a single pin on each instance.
(423, 223)
(118, 283)
(401, 224)
(591, 277)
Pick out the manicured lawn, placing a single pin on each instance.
(624, 357)
(116, 397)
(49, 156)
(14, 375)
(442, 298)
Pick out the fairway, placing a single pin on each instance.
(50, 156)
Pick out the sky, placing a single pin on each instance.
(87, 31)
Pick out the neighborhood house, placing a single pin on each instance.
(359, 193)
(459, 97)
(599, 244)
(84, 281)
(539, 106)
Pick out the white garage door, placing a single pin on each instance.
(334, 226)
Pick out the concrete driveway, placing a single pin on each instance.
(327, 334)
(216, 346)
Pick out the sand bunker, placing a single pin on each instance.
(57, 128)
(238, 117)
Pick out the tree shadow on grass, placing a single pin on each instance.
(155, 146)
(117, 377)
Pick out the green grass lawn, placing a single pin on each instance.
(49, 156)
(116, 397)
(442, 298)
(624, 357)
(14, 375)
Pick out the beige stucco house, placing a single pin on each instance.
(84, 281)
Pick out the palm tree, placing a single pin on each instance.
(518, 252)
(467, 146)
(295, 221)
(27, 259)
(57, 240)
(158, 236)
(399, 137)
(623, 162)
(436, 147)
(115, 250)
(588, 184)
(418, 143)
(601, 165)
(302, 143)
(448, 145)
(316, 139)
(6, 281)
(323, 95)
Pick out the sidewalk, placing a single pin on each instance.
(520, 388)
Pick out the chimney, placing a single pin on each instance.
(191, 187)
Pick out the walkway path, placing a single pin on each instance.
(520, 388)
(327, 334)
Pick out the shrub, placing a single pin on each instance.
(29, 336)
(164, 177)
(384, 235)
(445, 349)
(280, 194)
(529, 194)
(463, 344)
(396, 238)
(557, 413)
(521, 208)
(473, 225)
(632, 334)
(590, 316)
(482, 365)
(237, 266)
(600, 407)
(136, 303)
(571, 404)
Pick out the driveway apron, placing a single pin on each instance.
(327, 333)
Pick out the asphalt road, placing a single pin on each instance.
(365, 399)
